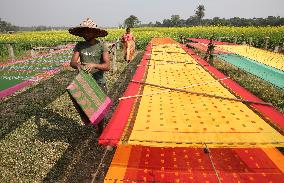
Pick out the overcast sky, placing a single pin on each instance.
(108, 13)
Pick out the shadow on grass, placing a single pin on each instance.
(16, 110)
(81, 151)
(82, 157)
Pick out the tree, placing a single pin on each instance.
(200, 12)
(192, 21)
(131, 21)
(158, 24)
(6, 26)
(167, 23)
(175, 20)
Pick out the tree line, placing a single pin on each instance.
(197, 20)
(174, 21)
(6, 26)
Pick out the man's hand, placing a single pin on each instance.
(90, 68)
(79, 67)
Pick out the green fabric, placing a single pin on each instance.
(270, 74)
(97, 89)
(88, 95)
(11, 75)
(4, 83)
(84, 97)
(92, 54)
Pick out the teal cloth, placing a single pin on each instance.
(267, 73)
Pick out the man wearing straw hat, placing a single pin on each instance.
(92, 54)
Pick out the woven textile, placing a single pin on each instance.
(150, 164)
(89, 96)
(204, 47)
(271, 59)
(177, 119)
(164, 113)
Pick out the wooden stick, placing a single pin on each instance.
(166, 91)
(203, 94)
(150, 59)
(168, 62)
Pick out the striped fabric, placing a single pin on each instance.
(137, 161)
(183, 165)
(90, 97)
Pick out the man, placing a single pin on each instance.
(210, 52)
(92, 54)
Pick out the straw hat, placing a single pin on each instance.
(88, 25)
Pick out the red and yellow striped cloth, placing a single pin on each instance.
(164, 163)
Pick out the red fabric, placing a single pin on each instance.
(206, 41)
(270, 112)
(203, 48)
(193, 165)
(112, 133)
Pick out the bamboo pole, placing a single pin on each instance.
(168, 62)
(203, 94)
(166, 91)
(114, 65)
(11, 51)
(266, 39)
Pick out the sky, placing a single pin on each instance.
(112, 13)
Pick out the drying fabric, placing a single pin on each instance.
(267, 73)
(181, 119)
(203, 48)
(269, 58)
(148, 164)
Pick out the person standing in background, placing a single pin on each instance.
(128, 41)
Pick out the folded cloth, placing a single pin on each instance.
(89, 96)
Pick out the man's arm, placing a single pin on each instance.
(74, 61)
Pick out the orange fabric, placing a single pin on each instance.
(157, 41)
(275, 156)
(129, 50)
(119, 164)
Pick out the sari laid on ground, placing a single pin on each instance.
(89, 99)
(128, 46)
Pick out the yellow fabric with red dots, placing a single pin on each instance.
(187, 120)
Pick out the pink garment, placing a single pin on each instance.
(127, 37)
